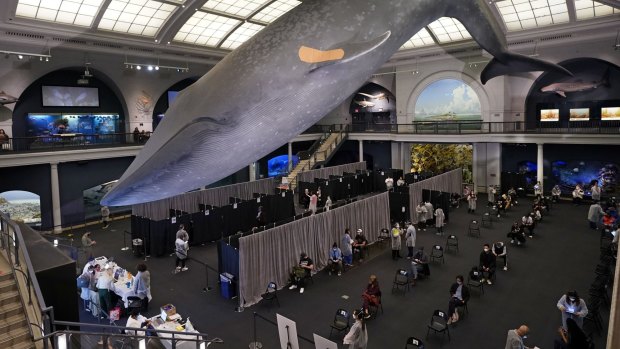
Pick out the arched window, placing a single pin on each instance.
(22, 206)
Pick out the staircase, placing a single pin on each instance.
(327, 147)
(14, 333)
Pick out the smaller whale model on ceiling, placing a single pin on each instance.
(562, 88)
(284, 80)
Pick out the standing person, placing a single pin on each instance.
(538, 190)
(314, 200)
(182, 233)
(596, 192)
(400, 182)
(371, 295)
(396, 242)
(487, 264)
(86, 281)
(577, 195)
(513, 195)
(136, 135)
(429, 212)
(466, 191)
(420, 211)
(357, 338)
(260, 216)
(328, 203)
(87, 244)
(514, 340)
(439, 220)
(389, 183)
(181, 249)
(595, 214)
(572, 307)
(347, 248)
(105, 216)
(528, 222)
(410, 238)
(471, 202)
(459, 295)
(306, 198)
(491, 195)
(142, 286)
(104, 282)
(500, 250)
(555, 193)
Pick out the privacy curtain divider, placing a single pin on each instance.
(189, 202)
(449, 182)
(325, 172)
(269, 255)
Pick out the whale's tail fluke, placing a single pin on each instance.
(515, 63)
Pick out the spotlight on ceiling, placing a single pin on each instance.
(47, 59)
(20, 57)
(156, 67)
(138, 67)
(40, 59)
(149, 68)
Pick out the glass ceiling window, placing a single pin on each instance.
(448, 29)
(242, 8)
(206, 29)
(589, 9)
(240, 35)
(140, 17)
(75, 12)
(526, 14)
(275, 10)
(422, 38)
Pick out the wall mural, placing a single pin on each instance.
(448, 100)
(275, 86)
(439, 158)
(570, 173)
(23, 206)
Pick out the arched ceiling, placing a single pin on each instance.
(226, 24)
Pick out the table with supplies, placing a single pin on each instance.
(169, 320)
(122, 285)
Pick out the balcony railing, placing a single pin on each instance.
(70, 141)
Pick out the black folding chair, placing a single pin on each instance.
(271, 293)
(452, 242)
(341, 321)
(437, 254)
(401, 279)
(438, 324)
(413, 342)
(474, 228)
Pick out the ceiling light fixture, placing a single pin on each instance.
(156, 67)
(22, 55)
(150, 67)
(138, 67)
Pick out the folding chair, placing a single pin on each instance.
(476, 283)
(414, 343)
(438, 324)
(452, 242)
(384, 235)
(487, 221)
(437, 254)
(401, 279)
(271, 293)
(341, 321)
(474, 228)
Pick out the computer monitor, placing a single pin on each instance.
(163, 315)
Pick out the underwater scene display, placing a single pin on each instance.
(86, 124)
(278, 166)
(570, 173)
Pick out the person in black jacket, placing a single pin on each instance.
(487, 264)
(459, 295)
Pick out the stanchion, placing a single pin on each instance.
(256, 344)
(207, 288)
(239, 308)
(125, 247)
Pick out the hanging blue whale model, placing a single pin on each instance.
(285, 79)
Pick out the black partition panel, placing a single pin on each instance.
(399, 206)
(381, 175)
(438, 199)
(512, 180)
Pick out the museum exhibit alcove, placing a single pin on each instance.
(373, 107)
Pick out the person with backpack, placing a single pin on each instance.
(85, 284)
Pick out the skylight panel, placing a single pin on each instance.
(422, 38)
(241, 35)
(448, 29)
(73, 12)
(526, 14)
(275, 10)
(139, 17)
(586, 9)
(242, 8)
(206, 29)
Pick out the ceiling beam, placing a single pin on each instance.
(572, 12)
(178, 20)
(613, 3)
(102, 9)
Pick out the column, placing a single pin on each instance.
(361, 148)
(252, 168)
(540, 166)
(290, 157)
(474, 166)
(56, 217)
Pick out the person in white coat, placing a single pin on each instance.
(410, 237)
(471, 202)
(357, 338)
(440, 218)
(596, 192)
(421, 211)
(429, 212)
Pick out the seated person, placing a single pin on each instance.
(528, 222)
(555, 193)
(300, 272)
(419, 264)
(371, 295)
(572, 337)
(455, 199)
(608, 221)
(512, 193)
(359, 243)
(500, 205)
(487, 264)
(136, 320)
(517, 234)
(459, 295)
(335, 260)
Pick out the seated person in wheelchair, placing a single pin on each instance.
(371, 295)
(335, 260)
(300, 272)
(419, 265)
(459, 295)
(359, 243)
(487, 264)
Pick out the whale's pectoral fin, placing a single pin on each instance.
(341, 53)
(516, 63)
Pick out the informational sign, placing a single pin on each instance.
(322, 343)
(287, 330)
(173, 220)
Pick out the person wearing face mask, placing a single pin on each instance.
(459, 295)
(572, 307)
(335, 260)
(487, 264)
(514, 339)
(357, 338)
(500, 251)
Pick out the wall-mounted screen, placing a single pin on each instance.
(66, 96)
(278, 165)
(580, 114)
(549, 115)
(610, 113)
(86, 124)
(172, 95)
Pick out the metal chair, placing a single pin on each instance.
(271, 293)
(341, 321)
(452, 242)
(413, 342)
(474, 228)
(438, 324)
(476, 283)
(487, 221)
(437, 254)
(401, 278)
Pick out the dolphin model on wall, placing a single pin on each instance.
(285, 79)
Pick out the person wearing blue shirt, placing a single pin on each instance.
(335, 260)
(347, 248)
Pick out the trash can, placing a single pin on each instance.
(137, 247)
(227, 286)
